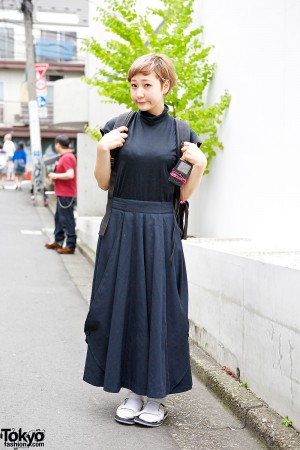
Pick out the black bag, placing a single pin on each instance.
(183, 132)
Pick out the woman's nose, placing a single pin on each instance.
(139, 93)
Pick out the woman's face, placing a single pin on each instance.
(147, 93)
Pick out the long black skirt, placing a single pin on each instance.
(137, 326)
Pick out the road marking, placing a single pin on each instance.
(34, 232)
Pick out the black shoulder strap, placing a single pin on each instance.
(122, 120)
(183, 133)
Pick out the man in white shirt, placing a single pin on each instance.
(3, 167)
(9, 148)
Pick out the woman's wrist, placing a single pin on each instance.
(201, 164)
(102, 148)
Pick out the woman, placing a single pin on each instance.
(137, 325)
(19, 159)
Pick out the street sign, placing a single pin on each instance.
(41, 84)
(41, 101)
(41, 68)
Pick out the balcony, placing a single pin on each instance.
(16, 114)
(55, 48)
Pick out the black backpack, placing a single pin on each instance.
(183, 133)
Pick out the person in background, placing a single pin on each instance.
(9, 148)
(64, 179)
(19, 160)
(3, 166)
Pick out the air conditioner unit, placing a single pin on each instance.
(18, 118)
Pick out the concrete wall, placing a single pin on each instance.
(68, 112)
(91, 200)
(245, 313)
(253, 189)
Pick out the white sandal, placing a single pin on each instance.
(152, 415)
(126, 412)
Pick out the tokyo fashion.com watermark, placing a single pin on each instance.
(17, 438)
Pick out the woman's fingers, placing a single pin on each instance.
(122, 129)
(114, 139)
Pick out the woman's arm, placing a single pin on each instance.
(110, 141)
(192, 154)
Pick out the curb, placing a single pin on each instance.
(89, 254)
(254, 413)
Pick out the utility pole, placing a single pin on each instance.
(34, 121)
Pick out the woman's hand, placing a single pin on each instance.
(113, 139)
(193, 154)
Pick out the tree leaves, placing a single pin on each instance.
(135, 36)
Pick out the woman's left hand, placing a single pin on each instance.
(193, 154)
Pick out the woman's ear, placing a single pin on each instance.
(166, 87)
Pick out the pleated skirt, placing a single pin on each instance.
(137, 325)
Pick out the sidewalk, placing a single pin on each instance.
(44, 302)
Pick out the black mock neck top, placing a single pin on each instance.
(146, 159)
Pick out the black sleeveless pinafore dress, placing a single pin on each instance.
(137, 325)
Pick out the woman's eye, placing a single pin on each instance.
(133, 85)
(147, 85)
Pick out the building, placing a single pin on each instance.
(58, 31)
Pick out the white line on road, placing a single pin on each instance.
(35, 232)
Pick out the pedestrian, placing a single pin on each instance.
(9, 148)
(19, 159)
(64, 178)
(3, 167)
(137, 324)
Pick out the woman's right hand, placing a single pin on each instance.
(113, 139)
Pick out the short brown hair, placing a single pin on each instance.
(158, 63)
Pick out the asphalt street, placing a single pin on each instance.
(43, 304)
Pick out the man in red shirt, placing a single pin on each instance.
(64, 179)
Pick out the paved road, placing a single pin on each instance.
(43, 305)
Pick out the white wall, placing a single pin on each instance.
(245, 313)
(70, 102)
(253, 189)
(91, 200)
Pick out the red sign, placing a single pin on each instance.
(41, 68)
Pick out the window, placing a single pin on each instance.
(54, 77)
(50, 93)
(6, 43)
(56, 46)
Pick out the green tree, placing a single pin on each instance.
(135, 36)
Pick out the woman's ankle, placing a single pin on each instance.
(132, 394)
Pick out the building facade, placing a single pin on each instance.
(58, 32)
